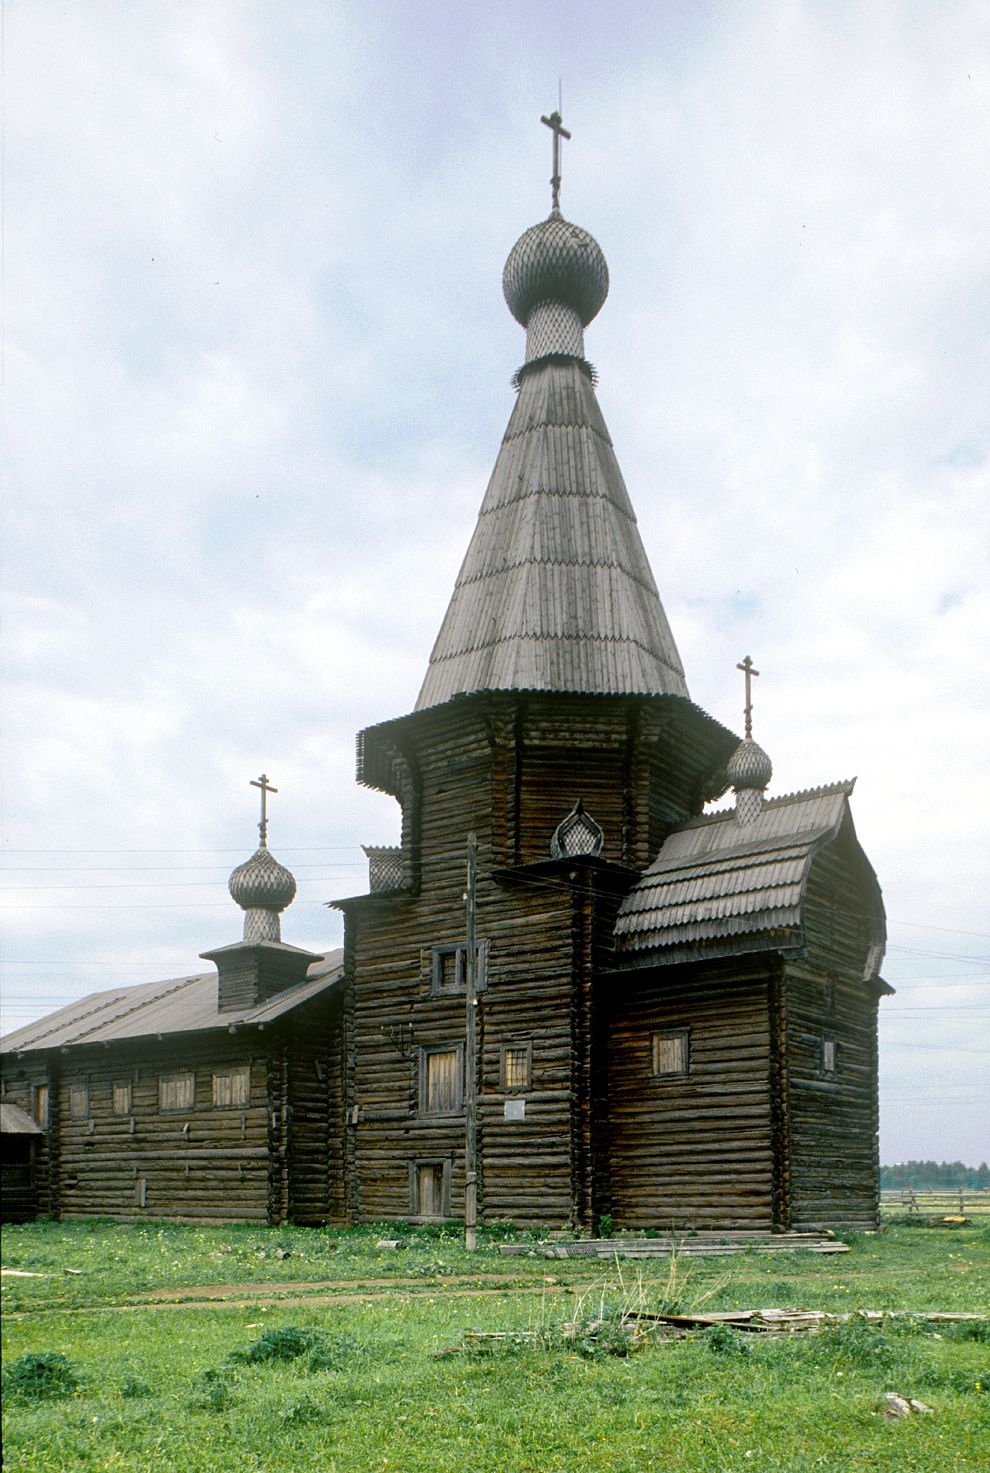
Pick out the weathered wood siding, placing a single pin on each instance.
(204, 1163)
(833, 1121)
(21, 1080)
(510, 770)
(692, 1151)
(313, 1043)
(526, 1164)
(274, 1157)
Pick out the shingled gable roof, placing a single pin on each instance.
(717, 888)
(152, 1009)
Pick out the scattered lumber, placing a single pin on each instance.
(703, 1244)
(787, 1321)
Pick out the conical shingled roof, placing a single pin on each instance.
(555, 592)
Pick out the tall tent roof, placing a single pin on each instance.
(555, 591)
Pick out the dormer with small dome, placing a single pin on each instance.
(262, 964)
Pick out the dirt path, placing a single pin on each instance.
(321, 1291)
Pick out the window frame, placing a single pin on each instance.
(174, 1078)
(426, 1052)
(660, 1035)
(41, 1115)
(79, 1091)
(459, 951)
(127, 1087)
(233, 1073)
(828, 1058)
(418, 1164)
(522, 1046)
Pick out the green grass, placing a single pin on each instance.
(357, 1386)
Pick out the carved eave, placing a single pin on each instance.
(383, 751)
(607, 873)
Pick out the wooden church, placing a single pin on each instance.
(654, 1014)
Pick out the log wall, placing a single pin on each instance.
(314, 1058)
(274, 1158)
(692, 1151)
(833, 1114)
(19, 1084)
(510, 771)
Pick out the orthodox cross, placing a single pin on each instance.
(748, 669)
(559, 131)
(266, 788)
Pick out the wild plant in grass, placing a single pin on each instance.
(724, 1340)
(213, 1390)
(325, 1351)
(40, 1376)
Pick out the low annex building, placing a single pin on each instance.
(676, 1016)
(213, 1096)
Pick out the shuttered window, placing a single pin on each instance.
(232, 1087)
(440, 1081)
(79, 1101)
(671, 1052)
(177, 1091)
(830, 1055)
(122, 1099)
(41, 1104)
(516, 1066)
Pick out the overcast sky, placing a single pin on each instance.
(257, 366)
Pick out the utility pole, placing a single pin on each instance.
(471, 1054)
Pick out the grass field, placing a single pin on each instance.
(238, 1348)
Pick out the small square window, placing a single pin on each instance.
(177, 1091)
(122, 1099)
(429, 1189)
(830, 1055)
(516, 1065)
(440, 1080)
(449, 970)
(670, 1052)
(232, 1087)
(39, 1104)
(79, 1101)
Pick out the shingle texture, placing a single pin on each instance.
(180, 1005)
(15, 1121)
(714, 882)
(555, 591)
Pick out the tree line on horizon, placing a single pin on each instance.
(935, 1176)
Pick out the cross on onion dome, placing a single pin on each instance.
(748, 669)
(555, 124)
(266, 788)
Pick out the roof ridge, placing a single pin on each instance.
(779, 846)
(825, 790)
(167, 991)
(101, 1003)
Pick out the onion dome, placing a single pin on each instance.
(578, 835)
(749, 766)
(262, 888)
(749, 769)
(555, 261)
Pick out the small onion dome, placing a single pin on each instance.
(261, 883)
(749, 766)
(555, 261)
(577, 835)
